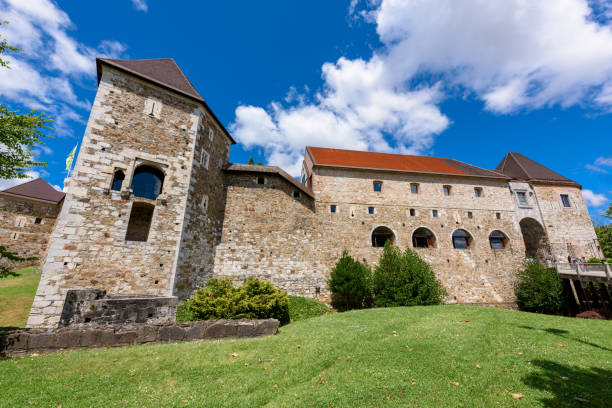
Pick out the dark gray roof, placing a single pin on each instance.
(163, 72)
(36, 190)
(251, 168)
(520, 167)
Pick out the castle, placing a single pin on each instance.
(153, 206)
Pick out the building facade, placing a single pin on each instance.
(153, 206)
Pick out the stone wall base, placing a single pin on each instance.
(42, 341)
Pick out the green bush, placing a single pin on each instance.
(404, 279)
(594, 260)
(301, 308)
(539, 289)
(349, 283)
(255, 299)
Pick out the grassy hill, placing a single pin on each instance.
(444, 356)
(16, 296)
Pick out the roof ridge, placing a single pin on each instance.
(520, 165)
(185, 77)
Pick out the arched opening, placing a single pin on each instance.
(498, 240)
(140, 222)
(381, 235)
(147, 182)
(423, 238)
(118, 178)
(536, 241)
(462, 239)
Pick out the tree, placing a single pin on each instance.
(349, 283)
(251, 161)
(19, 132)
(11, 256)
(604, 234)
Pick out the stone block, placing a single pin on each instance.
(69, 338)
(43, 341)
(221, 329)
(171, 333)
(266, 327)
(195, 331)
(91, 337)
(245, 328)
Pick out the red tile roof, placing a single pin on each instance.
(161, 71)
(36, 190)
(395, 162)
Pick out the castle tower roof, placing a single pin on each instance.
(520, 167)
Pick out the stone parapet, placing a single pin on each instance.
(42, 341)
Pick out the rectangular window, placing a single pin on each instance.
(377, 186)
(498, 216)
(447, 190)
(261, 180)
(38, 221)
(296, 194)
(521, 197)
(204, 159)
(370, 210)
(478, 191)
(565, 200)
(211, 134)
(434, 213)
(470, 215)
(412, 212)
(414, 188)
(332, 208)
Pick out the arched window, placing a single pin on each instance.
(381, 235)
(147, 182)
(498, 240)
(140, 222)
(462, 239)
(118, 178)
(423, 238)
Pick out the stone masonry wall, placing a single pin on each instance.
(88, 247)
(567, 227)
(295, 242)
(205, 208)
(19, 231)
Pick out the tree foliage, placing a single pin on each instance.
(604, 234)
(349, 284)
(405, 279)
(539, 289)
(4, 47)
(11, 256)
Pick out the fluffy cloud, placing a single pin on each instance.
(8, 183)
(140, 5)
(511, 54)
(41, 75)
(599, 165)
(593, 199)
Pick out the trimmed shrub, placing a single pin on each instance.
(594, 260)
(301, 308)
(405, 279)
(539, 289)
(349, 283)
(255, 299)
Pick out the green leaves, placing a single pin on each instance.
(11, 256)
(349, 284)
(539, 289)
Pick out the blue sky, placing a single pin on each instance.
(470, 80)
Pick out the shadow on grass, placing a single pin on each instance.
(571, 386)
(565, 334)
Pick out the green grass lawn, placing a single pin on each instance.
(16, 296)
(439, 356)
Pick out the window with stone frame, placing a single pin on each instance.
(462, 239)
(147, 182)
(37, 221)
(296, 194)
(498, 216)
(470, 215)
(498, 240)
(434, 213)
(139, 225)
(204, 159)
(414, 188)
(423, 238)
(381, 235)
(447, 190)
(333, 208)
(565, 201)
(211, 134)
(261, 180)
(118, 178)
(371, 210)
(478, 191)
(377, 185)
(521, 198)
(412, 212)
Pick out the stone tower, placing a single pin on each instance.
(144, 204)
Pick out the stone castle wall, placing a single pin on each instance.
(88, 247)
(25, 228)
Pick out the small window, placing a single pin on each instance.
(261, 180)
(204, 159)
(412, 212)
(370, 210)
(332, 208)
(140, 222)
(377, 186)
(498, 240)
(296, 194)
(498, 216)
(470, 215)
(434, 213)
(38, 221)
(414, 188)
(447, 190)
(461, 239)
(521, 197)
(211, 134)
(204, 203)
(565, 200)
(478, 191)
(118, 178)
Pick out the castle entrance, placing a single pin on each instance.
(536, 241)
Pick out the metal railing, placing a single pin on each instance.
(585, 270)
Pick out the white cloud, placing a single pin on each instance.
(603, 161)
(596, 169)
(41, 75)
(140, 5)
(8, 183)
(593, 199)
(511, 54)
